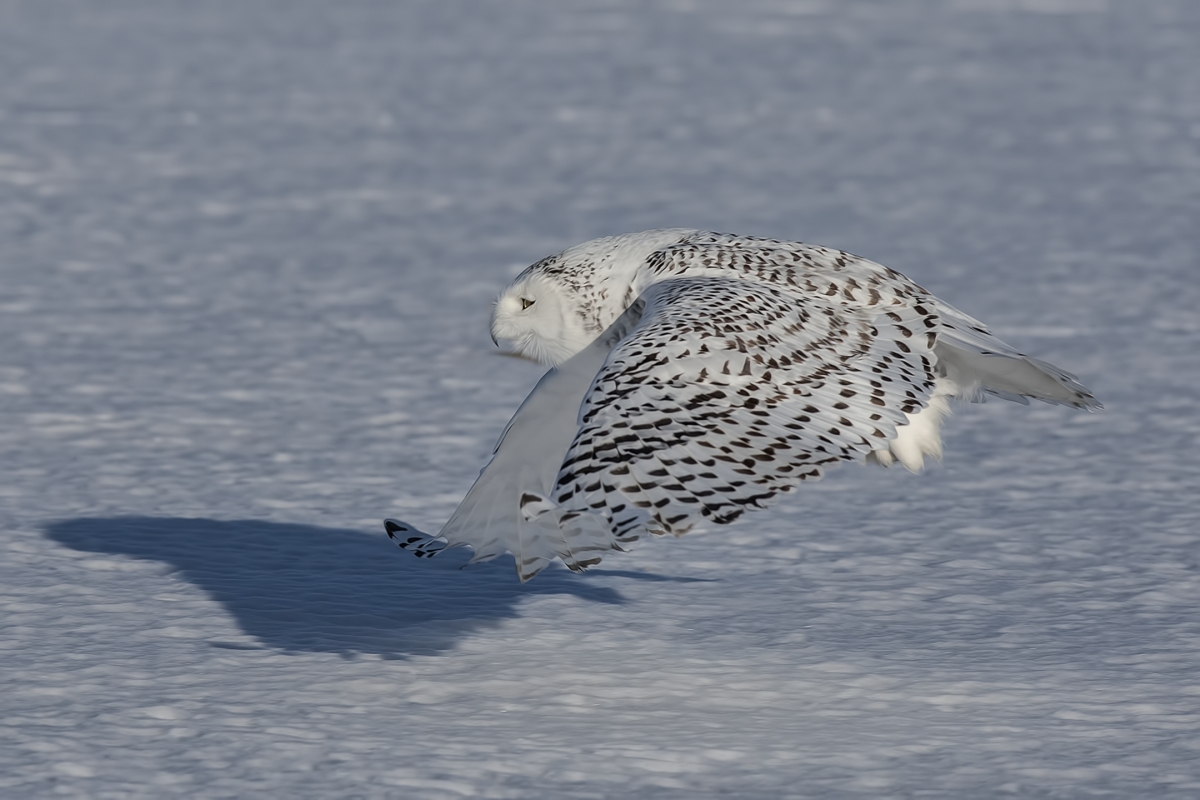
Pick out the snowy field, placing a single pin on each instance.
(247, 251)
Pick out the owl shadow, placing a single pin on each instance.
(302, 588)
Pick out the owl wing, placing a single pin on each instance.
(969, 354)
(726, 393)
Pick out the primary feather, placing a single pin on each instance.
(697, 375)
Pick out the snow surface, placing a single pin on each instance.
(247, 249)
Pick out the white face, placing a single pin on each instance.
(549, 319)
(533, 318)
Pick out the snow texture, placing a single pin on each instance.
(247, 251)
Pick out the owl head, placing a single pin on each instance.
(537, 318)
(559, 306)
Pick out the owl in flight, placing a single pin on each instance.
(697, 375)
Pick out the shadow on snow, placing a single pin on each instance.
(305, 588)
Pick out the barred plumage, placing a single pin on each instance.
(701, 374)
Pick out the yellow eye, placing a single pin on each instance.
(525, 303)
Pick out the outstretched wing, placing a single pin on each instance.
(728, 392)
(967, 353)
(498, 514)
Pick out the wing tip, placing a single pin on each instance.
(413, 540)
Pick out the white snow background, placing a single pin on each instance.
(247, 252)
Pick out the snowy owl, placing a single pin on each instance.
(696, 375)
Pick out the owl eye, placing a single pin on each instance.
(525, 303)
